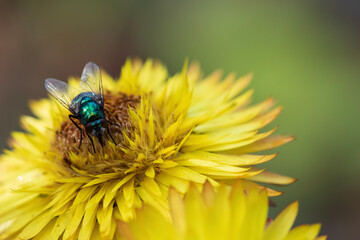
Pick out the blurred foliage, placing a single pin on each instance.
(303, 53)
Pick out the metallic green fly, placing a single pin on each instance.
(86, 104)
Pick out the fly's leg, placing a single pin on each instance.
(92, 142)
(112, 123)
(108, 130)
(101, 141)
(71, 118)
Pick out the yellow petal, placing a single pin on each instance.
(152, 223)
(11, 201)
(75, 180)
(123, 181)
(210, 165)
(126, 212)
(33, 125)
(124, 230)
(194, 210)
(151, 75)
(218, 216)
(158, 202)
(104, 218)
(179, 184)
(253, 125)
(83, 195)
(264, 144)
(95, 235)
(228, 159)
(129, 192)
(151, 186)
(241, 84)
(75, 222)
(95, 200)
(252, 185)
(109, 195)
(216, 174)
(273, 178)
(227, 147)
(45, 233)
(321, 238)
(194, 72)
(88, 222)
(304, 232)
(254, 223)
(23, 215)
(235, 118)
(150, 172)
(167, 164)
(61, 224)
(208, 142)
(102, 178)
(282, 224)
(36, 226)
(151, 130)
(186, 173)
(238, 210)
(177, 210)
(208, 193)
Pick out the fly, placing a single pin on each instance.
(85, 104)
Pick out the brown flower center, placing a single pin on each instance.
(116, 108)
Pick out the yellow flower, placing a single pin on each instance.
(239, 213)
(168, 131)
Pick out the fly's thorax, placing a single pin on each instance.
(78, 100)
(90, 111)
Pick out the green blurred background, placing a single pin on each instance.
(305, 54)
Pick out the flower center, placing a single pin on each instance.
(68, 137)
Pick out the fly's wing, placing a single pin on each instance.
(91, 81)
(59, 90)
